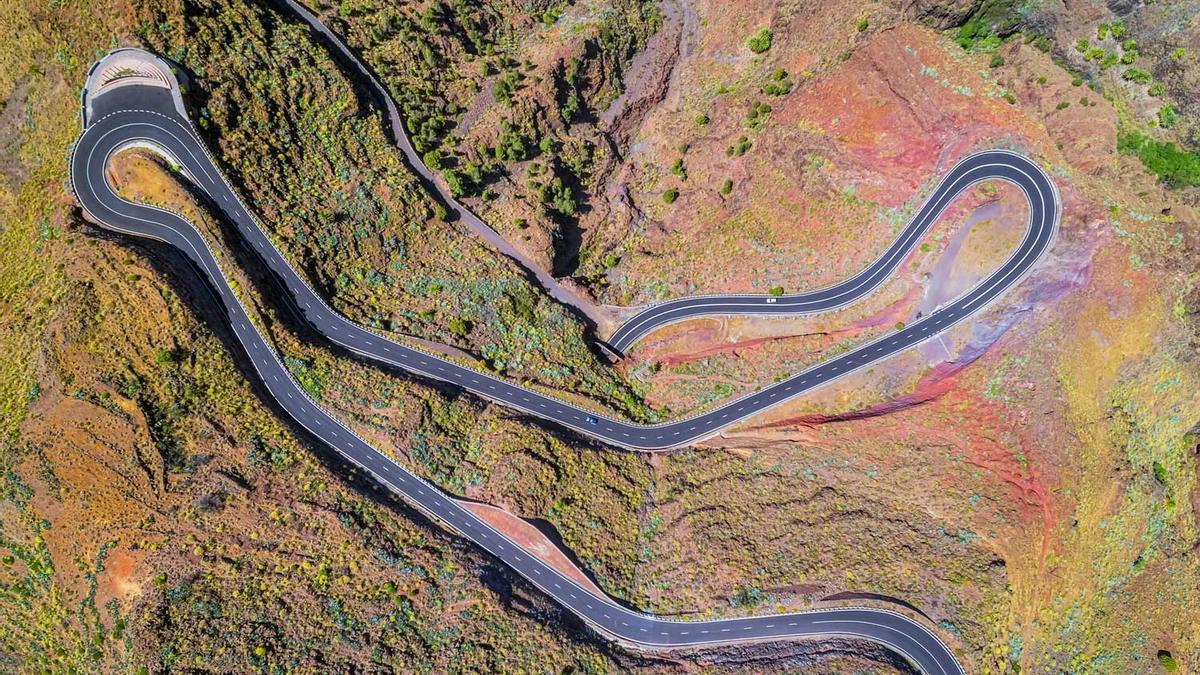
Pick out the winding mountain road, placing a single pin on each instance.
(126, 112)
(991, 165)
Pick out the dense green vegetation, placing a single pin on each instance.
(1176, 167)
(991, 21)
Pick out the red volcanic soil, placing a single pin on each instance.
(531, 540)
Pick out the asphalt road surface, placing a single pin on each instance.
(148, 116)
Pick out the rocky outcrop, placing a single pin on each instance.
(940, 14)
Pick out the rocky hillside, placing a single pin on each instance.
(1028, 481)
(1023, 478)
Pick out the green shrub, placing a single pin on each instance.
(777, 88)
(557, 196)
(702, 119)
(775, 290)
(1160, 472)
(756, 117)
(678, 169)
(1167, 117)
(433, 159)
(743, 144)
(1081, 45)
(760, 41)
(1167, 661)
(996, 61)
(1062, 105)
(749, 596)
(1136, 75)
(727, 186)
(505, 87)
(864, 22)
(670, 195)
(511, 143)
(455, 182)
